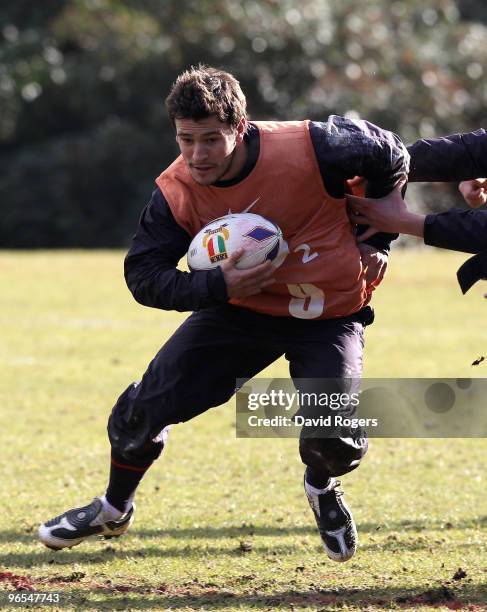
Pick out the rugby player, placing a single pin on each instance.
(313, 309)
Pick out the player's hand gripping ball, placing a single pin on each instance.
(260, 238)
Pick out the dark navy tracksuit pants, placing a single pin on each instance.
(198, 366)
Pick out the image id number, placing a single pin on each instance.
(32, 597)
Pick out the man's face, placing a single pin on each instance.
(208, 146)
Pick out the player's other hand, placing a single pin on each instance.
(374, 263)
(474, 192)
(242, 283)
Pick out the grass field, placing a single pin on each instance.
(223, 524)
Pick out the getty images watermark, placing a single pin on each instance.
(398, 408)
(285, 400)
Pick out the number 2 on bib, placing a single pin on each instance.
(308, 301)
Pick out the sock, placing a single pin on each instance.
(314, 491)
(110, 511)
(316, 479)
(124, 480)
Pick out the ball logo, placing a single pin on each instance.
(214, 242)
(260, 233)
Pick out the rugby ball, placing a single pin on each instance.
(260, 238)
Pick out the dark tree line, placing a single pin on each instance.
(83, 130)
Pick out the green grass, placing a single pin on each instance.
(222, 524)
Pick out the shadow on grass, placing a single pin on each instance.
(196, 551)
(392, 536)
(217, 598)
(208, 532)
(403, 535)
(93, 556)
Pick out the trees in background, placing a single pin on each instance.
(83, 130)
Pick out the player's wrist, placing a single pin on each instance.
(412, 224)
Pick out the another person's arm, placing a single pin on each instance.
(388, 214)
(458, 157)
(450, 158)
(457, 230)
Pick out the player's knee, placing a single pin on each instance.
(333, 456)
(130, 433)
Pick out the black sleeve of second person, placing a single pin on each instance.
(458, 157)
(346, 148)
(457, 230)
(150, 264)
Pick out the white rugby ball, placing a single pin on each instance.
(260, 238)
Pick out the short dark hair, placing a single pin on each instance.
(203, 91)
